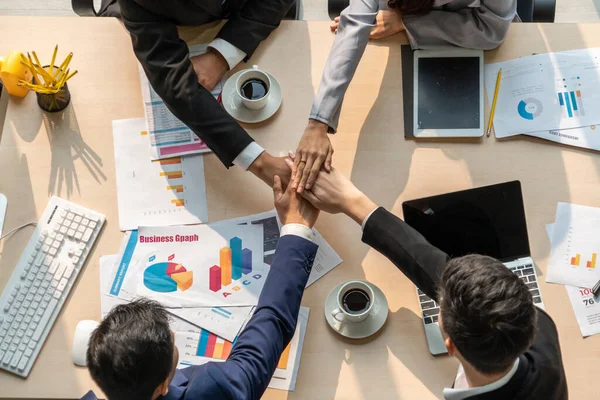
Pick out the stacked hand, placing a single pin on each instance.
(334, 193)
(388, 23)
(291, 207)
(314, 151)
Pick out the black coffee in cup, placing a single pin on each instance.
(254, 89)
(356, 301)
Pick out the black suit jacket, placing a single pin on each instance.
(540, 374)
(165, 58)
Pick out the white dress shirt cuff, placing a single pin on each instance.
(299, 230)
(248, 155)
(230, 53)
(367, 218)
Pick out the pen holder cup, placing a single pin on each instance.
(54, 102)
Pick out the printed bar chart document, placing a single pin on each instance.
(545, 92)
(197, 347)
(169, 137)
(575, 246)
(164, 192)
(225, 322)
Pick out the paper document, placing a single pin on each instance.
(587, 137)
(546, 92)
(223, 321)
(195, 266)
(575, 246)
(197, 347)
(585, 306)
(326, 258)
(155, 193)
(169, 137)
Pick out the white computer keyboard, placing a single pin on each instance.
(42, 279)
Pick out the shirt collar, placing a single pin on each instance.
(460, 393)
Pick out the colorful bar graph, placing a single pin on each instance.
(170, 161)
(172, 174)
(246, 261)
(211, 346)
(178, 202)
(568, 104)
(283, 360)
(592, 264)
(571, 103)
(575, 260)
(236, 257)
(215, 278)
(225, 260)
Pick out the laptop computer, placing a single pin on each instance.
(489, 220)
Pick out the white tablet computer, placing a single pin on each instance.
(448, 93)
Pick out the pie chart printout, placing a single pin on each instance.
(167, 277)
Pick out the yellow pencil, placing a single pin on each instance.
(51, 69)
(489, 129)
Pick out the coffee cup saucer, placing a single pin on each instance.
(363, 329)
(233, 103)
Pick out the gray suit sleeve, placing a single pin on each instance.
(482, 28)
(356, 22)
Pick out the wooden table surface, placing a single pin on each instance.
(70, 155)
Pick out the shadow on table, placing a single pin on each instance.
(67, 146)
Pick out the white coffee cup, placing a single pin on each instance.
(341, 314)
(254, 73)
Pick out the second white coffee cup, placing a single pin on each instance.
(250, 74)
(354, 302)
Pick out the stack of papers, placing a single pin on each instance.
(573, 260)
(551, 96)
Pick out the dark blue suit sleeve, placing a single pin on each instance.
(250, 366)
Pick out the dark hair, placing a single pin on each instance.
(131, 352)
(411, 7)
(487, 311)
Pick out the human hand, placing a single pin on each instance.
(291, 207)
(266, 167)
(334, 193)
(314, 151)
(210, 68)
(388, 23)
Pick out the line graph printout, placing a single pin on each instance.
(546, 92)
(155, 193)
(575, 245)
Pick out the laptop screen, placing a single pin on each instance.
(489, 220)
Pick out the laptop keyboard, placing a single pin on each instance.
(431, 309)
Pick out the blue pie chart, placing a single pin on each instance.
(157, 280)
(530, 108)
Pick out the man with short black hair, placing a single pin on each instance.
(132, 353)
(507, 347)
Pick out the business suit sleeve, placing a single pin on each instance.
(482, 28)
(354, 28)
(420, 261)
(254, 357)
(165, 59)
(255, 21)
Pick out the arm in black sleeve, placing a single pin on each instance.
(421, 262)
(165, 59)
(253, 23)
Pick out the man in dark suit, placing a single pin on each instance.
(507, 347)
(184, 84)
(132, 355)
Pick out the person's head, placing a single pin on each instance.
(411, 7)
(132, 353)
(487, 316)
